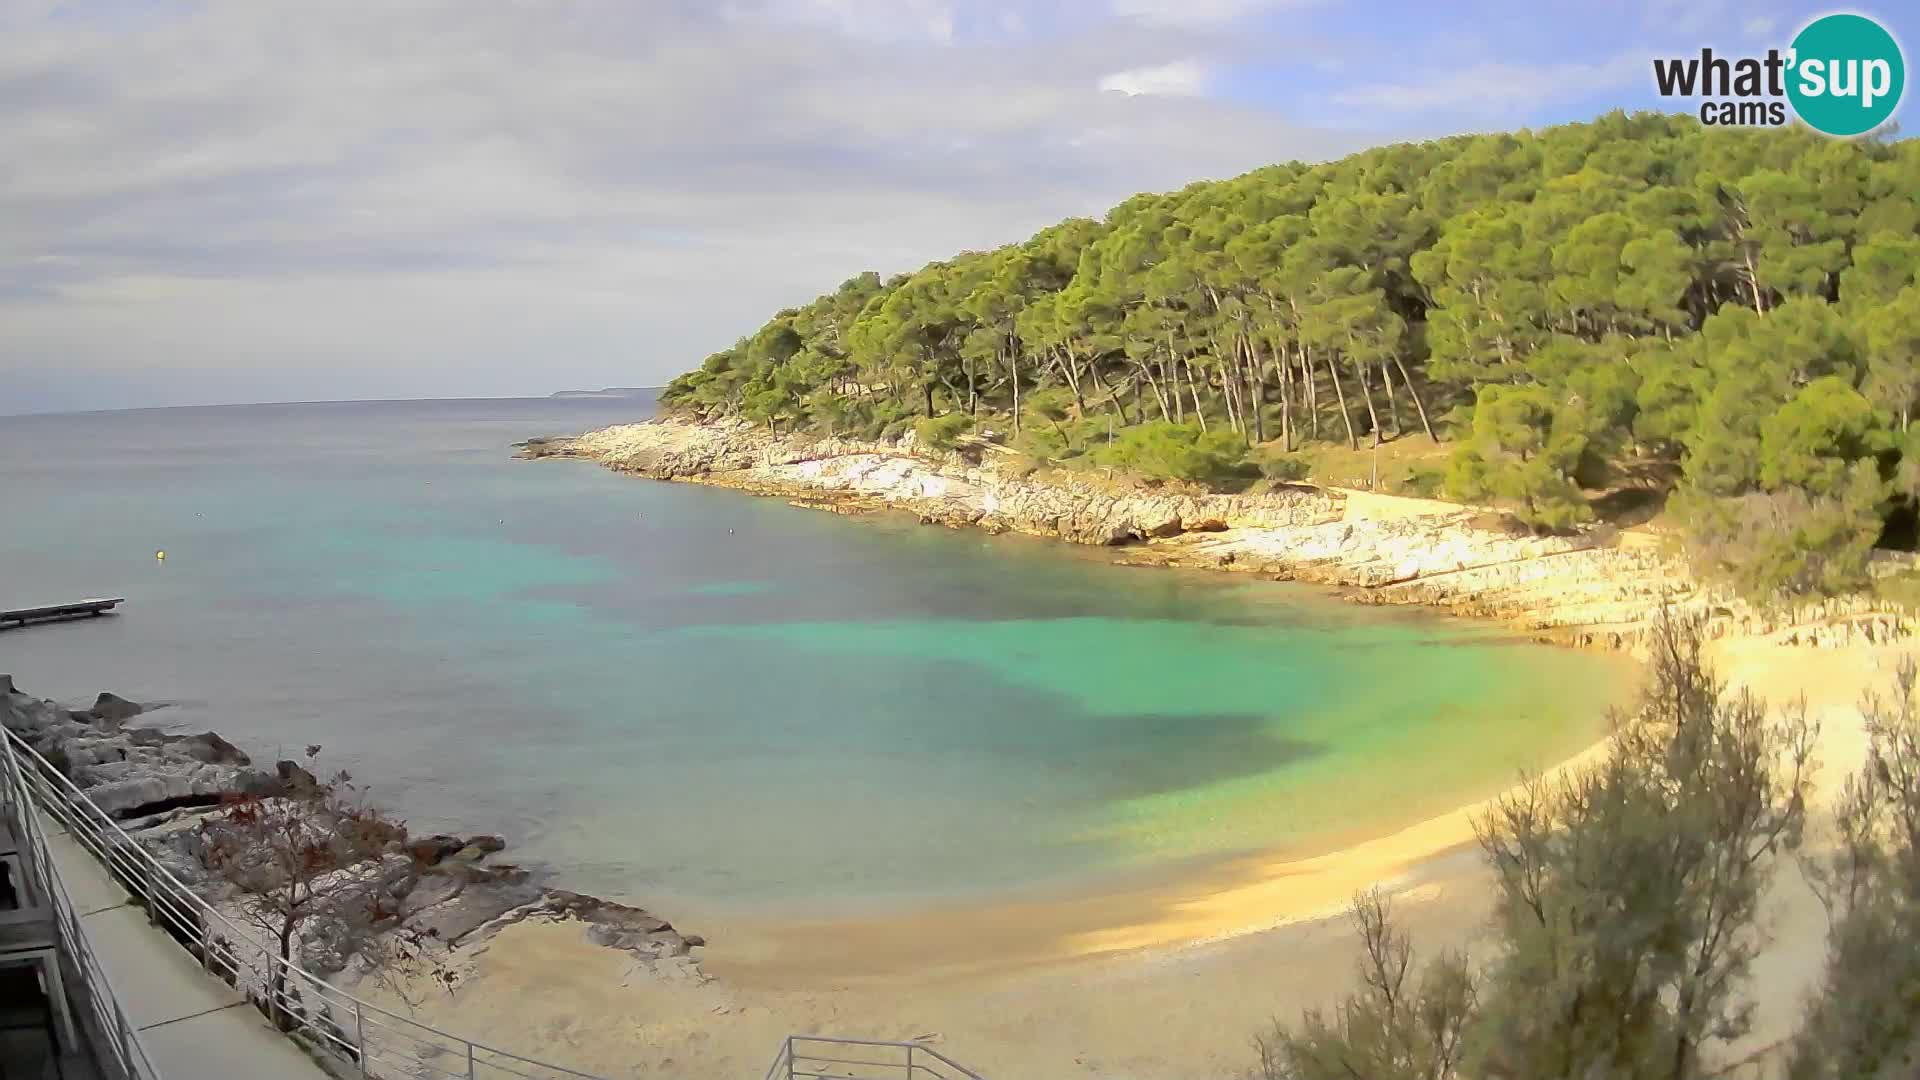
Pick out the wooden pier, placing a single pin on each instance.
(79, 609)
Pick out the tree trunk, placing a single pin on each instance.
(1393, 400)
(1753, 283)
(1158, 394)
(1114, 401)
(1683, 1046)
(1313, 388)
(277, 986)
(1230, 392)
(1198, 413)
(1366, 394)
(1257, 388)
(1366, 390)
(1230, 401)
(1414, 393)
(1072, 368)
(1285, 368)
(1013, 367)
(1341, 393)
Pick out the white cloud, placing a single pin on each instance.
(1193, 12)
(927, 20)
(1495, 89)
(264, 198)
(1759, 26)
(1182, 78)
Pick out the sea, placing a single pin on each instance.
(709, 702)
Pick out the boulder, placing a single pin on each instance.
(209, 747)
(428, 851)
(147, 788)
(435, 849)
(618, 926)
(326, 944)
(112, 708)
(429, 890)
(30, 716)
(475, 905)
(293, 776)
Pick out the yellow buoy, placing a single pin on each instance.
(160, 556)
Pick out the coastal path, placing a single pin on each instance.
(191, 1024)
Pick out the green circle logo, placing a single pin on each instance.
(1846, 75)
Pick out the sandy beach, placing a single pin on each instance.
(1172, 985)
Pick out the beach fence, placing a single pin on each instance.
(360, 1038)
(820, 1057)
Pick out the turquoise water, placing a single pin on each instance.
(708, 701)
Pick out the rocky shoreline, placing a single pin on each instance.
(163, 789)
(1594, 587)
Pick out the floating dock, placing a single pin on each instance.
(79, 609)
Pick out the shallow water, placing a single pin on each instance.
(708, 701)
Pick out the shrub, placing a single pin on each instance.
(941, 432)
(1775, 547)
(1286, 467)
(1424, 481)
(1178, 452)
(1628, 907)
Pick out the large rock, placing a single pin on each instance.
(206, 747)
(429, 850)
(112, 708)
(477, 902)
(431, 889)
(142, 788)
(432, 850)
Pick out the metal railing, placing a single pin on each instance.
(112, 1034)
(821, 1057)
(379, 1043)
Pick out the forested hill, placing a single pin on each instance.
(1728, 315)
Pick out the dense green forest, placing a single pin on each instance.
(1640, 304)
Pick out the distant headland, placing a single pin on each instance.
(611, 392)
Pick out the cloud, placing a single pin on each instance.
(442, 197)
(1495, 89)
(1194, 12)
(928, 20)
(1183, 78)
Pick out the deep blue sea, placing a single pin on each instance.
(707, 701)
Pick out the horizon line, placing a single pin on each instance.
(558, 395)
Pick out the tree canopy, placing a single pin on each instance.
(1733, 311)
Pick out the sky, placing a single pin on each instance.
(211, 201)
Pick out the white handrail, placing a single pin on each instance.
(117, 1041)
(380, 1043)
(826, 1057)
